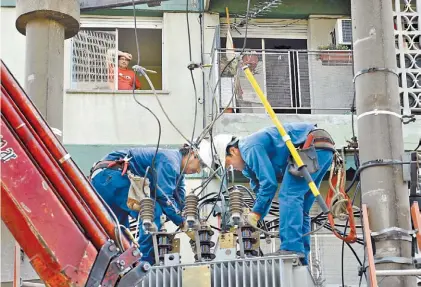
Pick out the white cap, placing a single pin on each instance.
(220, 143)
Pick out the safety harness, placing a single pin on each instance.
(119, 164)
(338, 200)
(321, 139)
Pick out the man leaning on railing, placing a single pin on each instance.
(125, 75)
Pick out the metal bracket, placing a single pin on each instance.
(197, 244)
(407, 119)
(119, 265)
(372, 70)
(391, 259)
(105, 255)
(171, 259)
(155, 248)
(240, 241)
(135, 276)
(406, 168)
(393, 233)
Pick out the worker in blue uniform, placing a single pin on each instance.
(110, 179)
(264, 158)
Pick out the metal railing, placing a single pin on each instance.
(91, 60)
(294, 81)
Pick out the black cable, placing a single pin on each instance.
(343, 242)
(191, 73)
(202, 186)
(219, 194)
(328, 227)
(244, 188)
(371, 164)
(365, 247)
(188, 28)
(209, 128)
(195, 97)
(154, 174)
(418, 146)
(202, 60)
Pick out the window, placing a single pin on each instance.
(94, 56)
(281, 69)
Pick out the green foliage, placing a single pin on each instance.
(334, 47)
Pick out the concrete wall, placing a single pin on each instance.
(331, 85)
(115, 118)
(12, 44)
(319, 29)
(330, 82)
(339, 126)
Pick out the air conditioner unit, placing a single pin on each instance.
(343, 32)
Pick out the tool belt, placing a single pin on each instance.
(321, 139)
(316, 139)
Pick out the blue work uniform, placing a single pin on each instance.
(114, 189)
(266, 159)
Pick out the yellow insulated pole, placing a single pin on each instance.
(287, 139)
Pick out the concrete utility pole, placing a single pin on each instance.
(380, 133)
(46, 24)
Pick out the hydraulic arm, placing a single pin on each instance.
(51, 209)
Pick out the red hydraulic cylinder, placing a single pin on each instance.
(52, 171)
(60, 155)
(57, 249)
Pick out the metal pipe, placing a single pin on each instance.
(51, 170)
(58, 152)
(16, 269)
(407, 272)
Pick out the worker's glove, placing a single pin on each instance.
(252, 218)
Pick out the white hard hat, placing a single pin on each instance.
(220, 143)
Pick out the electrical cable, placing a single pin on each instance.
(204, 184)
(162, 107)
(365, 255)
(317, 229)
(191, 142)
(343, 242)
(153, 171)
(244, 188)
(208, 129)
(219, 194)
(371, 164)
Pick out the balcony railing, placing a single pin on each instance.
(294, 81)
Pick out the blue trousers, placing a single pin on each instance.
(295, 201)
(114, 189)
